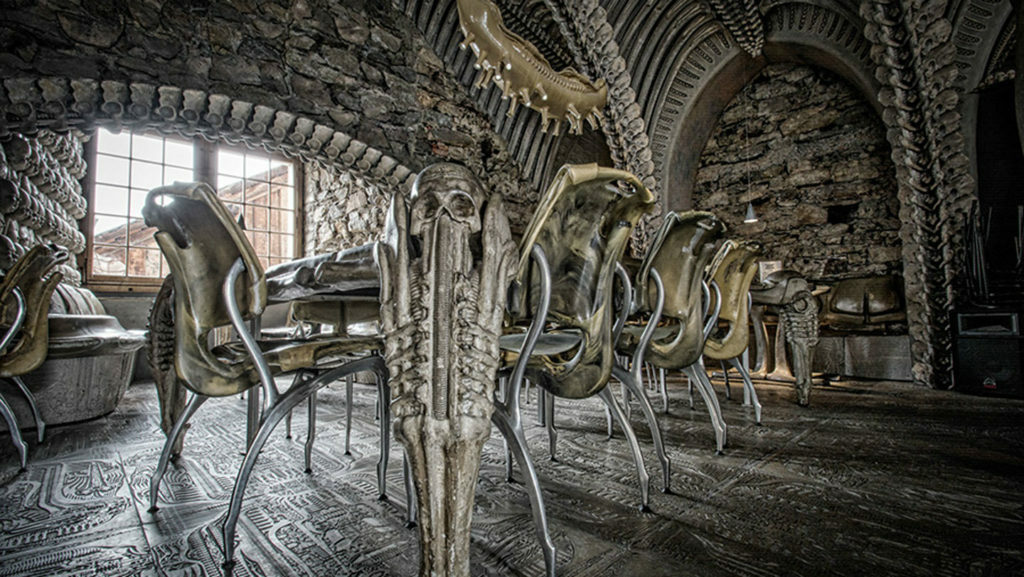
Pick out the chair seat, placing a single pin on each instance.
(630, 336)
(319, 352)
(548, 344)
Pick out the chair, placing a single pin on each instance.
(25, 293)
(563, 289)
(670, 287)
(219, 282)
(729, 343)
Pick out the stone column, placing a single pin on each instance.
(445, 265)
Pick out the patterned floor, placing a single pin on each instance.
(873, 479)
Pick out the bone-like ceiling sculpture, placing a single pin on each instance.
(524, 75)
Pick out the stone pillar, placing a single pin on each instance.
(445, 266)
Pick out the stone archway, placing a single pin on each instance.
(902, 58)
(811, 155)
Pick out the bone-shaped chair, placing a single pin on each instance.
(563, 289)
(25, 293)
(729, 340)
(218, 281)
(670, 288)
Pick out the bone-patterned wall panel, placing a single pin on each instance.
(41, 194)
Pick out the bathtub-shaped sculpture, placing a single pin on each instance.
(89, 363)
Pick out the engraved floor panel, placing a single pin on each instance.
(872, 479)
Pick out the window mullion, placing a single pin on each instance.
(206, 162)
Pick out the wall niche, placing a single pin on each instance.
(811, 155)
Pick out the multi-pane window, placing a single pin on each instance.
(263, 190)
(260, 188)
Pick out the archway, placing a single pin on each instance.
(811, 154)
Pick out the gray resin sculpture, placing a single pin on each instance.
(446, 263)
(798, 314)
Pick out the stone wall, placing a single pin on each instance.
(812, 156)
(361, 67)
(341, 211)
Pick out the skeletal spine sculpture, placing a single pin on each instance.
(445, 264)
(524, 75)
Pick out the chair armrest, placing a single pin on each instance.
(19, 319)
(532, 333)
(263, 370)
(711, 320)
(652, 322)
(627, 302)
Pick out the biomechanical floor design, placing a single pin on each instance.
(872, 479)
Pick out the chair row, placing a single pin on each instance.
(566, 320)
(572, 332)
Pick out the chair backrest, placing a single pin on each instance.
(201, 241)
(733, 275)
(680, 252)
(582, 223)
(27, 349)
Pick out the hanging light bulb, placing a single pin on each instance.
(751, 216)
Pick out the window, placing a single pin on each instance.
(122, 253)
(262, 189)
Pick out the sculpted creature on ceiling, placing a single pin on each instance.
(524, 75)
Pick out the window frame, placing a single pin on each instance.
(204, 169)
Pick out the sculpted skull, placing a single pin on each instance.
(445, 189)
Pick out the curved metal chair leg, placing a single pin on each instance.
(709, 397)
(702, 378)
(165, 456)
(410, 493)
(689, 390)
(288, 417)
(542, 400)
(12, 425)
(664, 391)
(549, 423)
(384, 404)
(252, 414)
(725, 375)
(626, 403)
(515, 440)
(744, 361)
(40, 425)
(634, 445)
(608, 420)
(271, 417)
(310, 432)
(652, 423)
(502, 385)
(748, 388)
(348, 414)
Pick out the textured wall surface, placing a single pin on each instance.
(342, 210)
(812, 156)
(41, 197)
(358, 67)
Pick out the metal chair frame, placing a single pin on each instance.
(275, 404)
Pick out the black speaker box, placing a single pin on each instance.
(988, 355)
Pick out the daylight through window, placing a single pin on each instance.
(260, 188)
